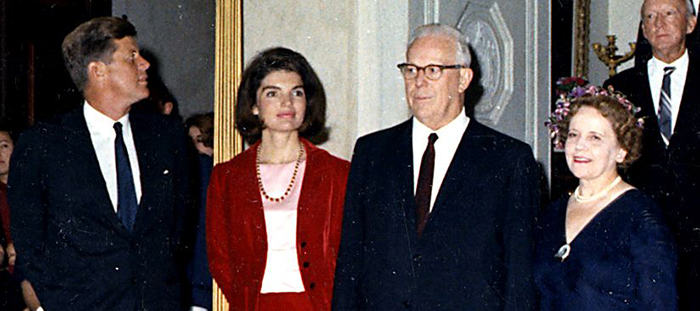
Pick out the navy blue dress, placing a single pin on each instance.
(624, 259)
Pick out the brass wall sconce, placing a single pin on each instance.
(607, 54)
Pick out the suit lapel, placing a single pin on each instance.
(645, 100)
(400, 159)
(688, 109)
(78, 139)
(145, 143)
(406, 179)
(463, 164)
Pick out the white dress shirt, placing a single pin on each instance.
(655, 68)
(102, 135)
(449, 137)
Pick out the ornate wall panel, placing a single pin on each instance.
(492, 43)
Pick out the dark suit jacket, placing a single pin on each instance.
(237, 237)
(475, 252)
(671, 175)
(73, 247)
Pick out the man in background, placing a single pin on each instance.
(665, 88)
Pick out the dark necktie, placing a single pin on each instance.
(126, 193)
(424, 188)
(665, 104)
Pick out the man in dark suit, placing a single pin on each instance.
(439, 209)
(96, 195)
(666, 89)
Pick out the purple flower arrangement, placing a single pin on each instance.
(568, 89)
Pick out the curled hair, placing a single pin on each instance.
(280, 59)
(205, 124)
(93, 41)
(624, 124)
(463, 56)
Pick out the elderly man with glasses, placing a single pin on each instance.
(439, 209)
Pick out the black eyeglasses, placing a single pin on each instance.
(432, 72)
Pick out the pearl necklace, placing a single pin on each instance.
(582, 199)
(291, 182)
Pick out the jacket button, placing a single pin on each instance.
(306, 264)
(312, 285)
(417, 258)
(303, 244)
(406, 304)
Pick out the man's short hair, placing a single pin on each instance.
(463, 56)
(93, 41)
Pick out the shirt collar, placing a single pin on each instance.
(98, 122)
(658, 65)
(455, 128)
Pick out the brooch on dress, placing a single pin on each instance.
(563, 252)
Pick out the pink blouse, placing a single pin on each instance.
(282, 267)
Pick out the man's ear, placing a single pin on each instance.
(96, 70)
(168, 108)
(465, 78)
(690, 26)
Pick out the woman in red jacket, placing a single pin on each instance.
(274, 212)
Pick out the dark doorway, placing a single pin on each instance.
(34, 84)
(563, 182)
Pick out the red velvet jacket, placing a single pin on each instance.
(236, 236)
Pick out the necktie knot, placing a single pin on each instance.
(669, 70)
(118, 128)
(432, 138)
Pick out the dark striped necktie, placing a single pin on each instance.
(665, 105)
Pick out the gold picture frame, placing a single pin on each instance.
(228, 68)
(582, 20)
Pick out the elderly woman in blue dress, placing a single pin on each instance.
(605, 247)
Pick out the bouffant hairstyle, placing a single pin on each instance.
(624, 124)
(279, 59)
(205, 124)
(93, 41)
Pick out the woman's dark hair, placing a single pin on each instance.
(205, 124)
(280, 59)
(624, 124)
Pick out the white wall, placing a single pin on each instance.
(180, 36)
(624, 22)
(354, 47)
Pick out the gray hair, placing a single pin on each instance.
(689, 9)
(463, 56)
